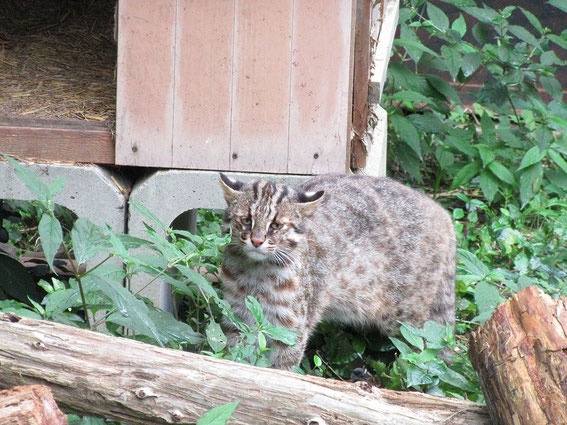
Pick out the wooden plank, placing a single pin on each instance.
(56, 140)
(144, 121)
(361, 75)
(321, 86)
(203, 76)
(261, 86)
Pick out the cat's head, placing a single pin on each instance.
(267, 218)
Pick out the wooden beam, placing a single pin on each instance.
(360, 85)
(138, 383)
(57, 140)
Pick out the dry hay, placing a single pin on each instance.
(57, 59)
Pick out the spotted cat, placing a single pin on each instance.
(355, 249)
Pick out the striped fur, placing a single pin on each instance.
(360, 250)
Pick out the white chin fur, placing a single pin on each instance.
(256, 255)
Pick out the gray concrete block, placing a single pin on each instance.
(169, 193)
(89, 191)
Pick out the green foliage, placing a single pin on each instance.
(513, 142)
(419, 366)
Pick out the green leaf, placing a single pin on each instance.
(460, 25)
(560, 4)
(132, 312)
(287, 336)
(549, 58)
(452, 377)
(471, 62)
(558, 122)
(472, 264)
(255, 308)
(437, 17)
(51, 236)
(427, 122)
(34, 184)
(172, 330)
(502, 172)
(56, 186)
(410, 337)
(556, 157)
(88, 240)
(317, 361)
(147, 213)
(530, 180)
(452, 58)
(466, 174)
(487, 155)
(410, 96)
(487, 298)
(488, 184)
(481, 32)
(407, 132)
(461, 3)
(402, 347)
(485, 15)
(409, 160)
(215, 336)
(219, 415)
(439, 84)
(488, 128)
(561, 42)
(552, 87)
(197, 279)
(532, 156)
(533, 19)
(461, 139)
(415, 45)
(523, 34)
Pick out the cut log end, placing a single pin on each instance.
(520, 355)
(29, 405)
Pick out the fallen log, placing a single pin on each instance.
(29, 405)
(126, 380)
(520, 356)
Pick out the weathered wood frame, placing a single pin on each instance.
(235, 84)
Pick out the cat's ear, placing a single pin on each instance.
(231, 188)
(308, 201)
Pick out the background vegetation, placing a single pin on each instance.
(490, 145)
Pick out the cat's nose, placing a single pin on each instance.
(256, 241)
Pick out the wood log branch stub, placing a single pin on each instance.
(137, 383)
(29, 405)
(520, 355)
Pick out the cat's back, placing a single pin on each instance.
(365, 204)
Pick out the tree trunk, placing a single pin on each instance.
(520, 355)
(138, 383)
(29, 405)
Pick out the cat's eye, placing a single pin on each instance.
(246, 220)
(276, 226)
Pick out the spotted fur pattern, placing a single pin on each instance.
(356, 249)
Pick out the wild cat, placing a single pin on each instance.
(355, 249)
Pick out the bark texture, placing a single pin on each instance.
(29, 405)
(126, 380)
(520, 355)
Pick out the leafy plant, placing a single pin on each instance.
(512, 141)
(96, 296)
(420, 367)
